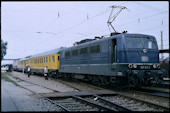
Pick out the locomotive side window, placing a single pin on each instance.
(67, 54)
(83, 51)
(95, 49)
(75, 52)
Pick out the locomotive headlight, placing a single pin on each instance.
(130, 65)
(154, 66)
(158, 65)
(134, 65)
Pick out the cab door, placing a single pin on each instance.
(113, 51)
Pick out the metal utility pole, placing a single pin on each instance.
(113, 17)
(162, 44)
(23, 66)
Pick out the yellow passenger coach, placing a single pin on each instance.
(50, 59)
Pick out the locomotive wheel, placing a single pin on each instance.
(134, 81)
(105, 80)
(95, 80)
(67, 76)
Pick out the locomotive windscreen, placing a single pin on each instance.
(141, 42)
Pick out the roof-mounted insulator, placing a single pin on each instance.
(114, 33)
(124, 32)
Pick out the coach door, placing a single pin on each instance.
(113, 51)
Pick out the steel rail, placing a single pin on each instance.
(91, 103)
(152, 104)
(153, 92)
(106, 101)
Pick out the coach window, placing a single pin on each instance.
(46, 59)
(95, 49)
(67, 54)
(58, 58)
(49, 59)
(83, 51)
(53, 58)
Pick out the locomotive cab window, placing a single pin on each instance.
(141, 42)
(135, 42)
(149, 43)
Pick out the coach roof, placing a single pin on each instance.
(54, 51)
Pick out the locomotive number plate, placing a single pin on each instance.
(145, 67)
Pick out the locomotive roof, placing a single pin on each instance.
(107, 38)
(54, 51)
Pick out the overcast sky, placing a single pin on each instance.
(35, 27)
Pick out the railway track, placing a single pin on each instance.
(93, 102)
(80, 104)
(154, 91)
(128, 103)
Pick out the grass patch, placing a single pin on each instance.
(5, 73)
(8, 80)
(17, 78)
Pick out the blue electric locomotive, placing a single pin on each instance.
(124, 59)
